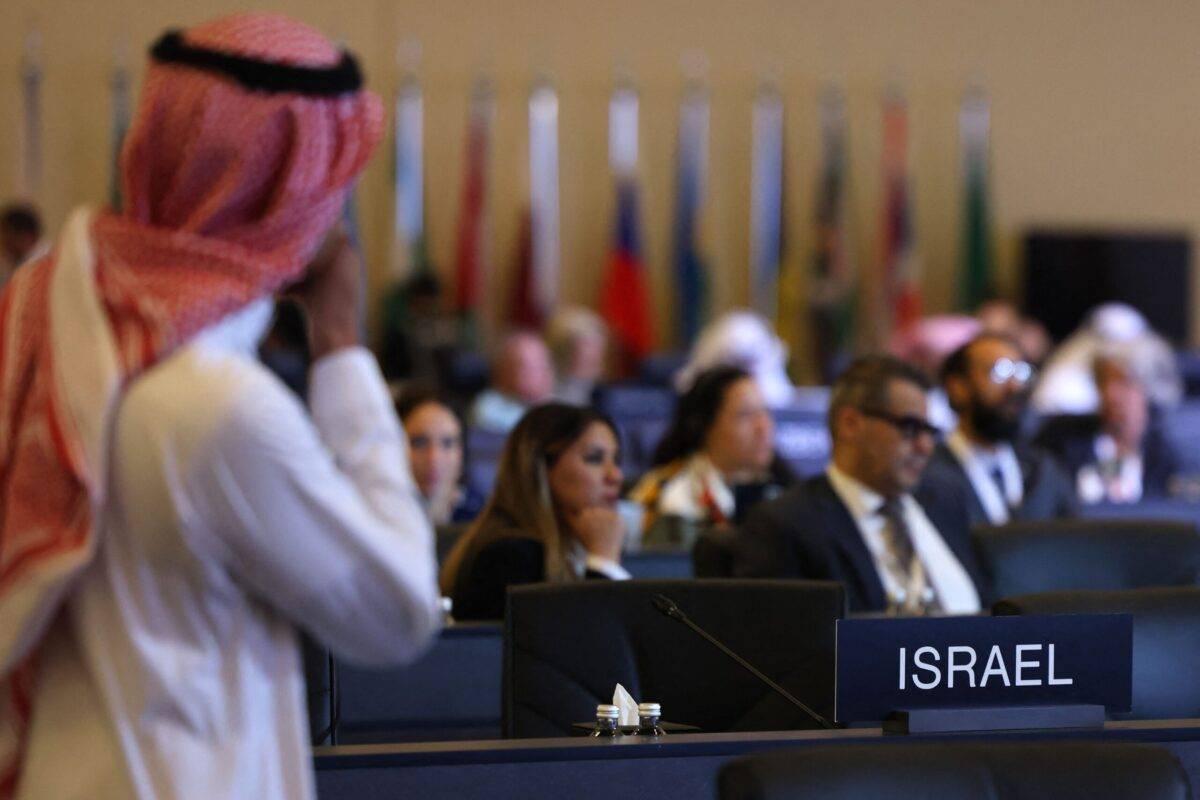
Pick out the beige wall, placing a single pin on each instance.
(1096, 110)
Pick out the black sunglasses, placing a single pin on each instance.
(910, 426)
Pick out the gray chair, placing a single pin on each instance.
(1037, 771)
(1166, 641)
(1065, 555)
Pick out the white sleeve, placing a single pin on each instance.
(323, 521)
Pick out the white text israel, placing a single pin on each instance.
(962, 666)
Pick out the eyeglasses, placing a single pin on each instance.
(909, 426)
(1006, 369)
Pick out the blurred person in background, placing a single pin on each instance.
(160, 548)
(925, 344)
(745, 340)
(1119, 454)
(1002, 316)
(435, 446)
(552, 516)
(1067, 385)
(578, 341)
(716, 460)
(419, 335)
(987, 382)
(522, 377)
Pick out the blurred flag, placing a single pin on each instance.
(624, 294)
(471, 262)
(545, 255)
(31, 121)
(119, 86)
(834, 273)
(523, 310)
(409, 255)
(766, 202)
(899, 264)
(690, 179)
(976, 266)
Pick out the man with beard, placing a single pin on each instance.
(859, 523)
(987, 382)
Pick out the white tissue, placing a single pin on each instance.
(628, 706)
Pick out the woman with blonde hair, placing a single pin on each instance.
(552, 516)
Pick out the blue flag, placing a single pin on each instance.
(691, 167)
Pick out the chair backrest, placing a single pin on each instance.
(1033, 771)
(1166, 641)
(447, 536)
(713, 554)
(318, 681)
(802, 440)
(1062, 555)
(483, 458)
(566, 646)
(451, 693)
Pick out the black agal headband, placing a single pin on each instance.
(263, 76)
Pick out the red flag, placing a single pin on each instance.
(525, 310)
(469, 262)
(899, 260)
(624, 295)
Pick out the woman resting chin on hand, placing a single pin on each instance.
(552, 516)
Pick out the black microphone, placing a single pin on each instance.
(666, 606)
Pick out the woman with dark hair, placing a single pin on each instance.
(552, 516)
(435, 446)
(715, 461)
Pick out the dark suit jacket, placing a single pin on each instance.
(1048, 492)
(480, 592)
(1072, 440)
(808, 532)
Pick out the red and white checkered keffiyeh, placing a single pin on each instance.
(228, 193)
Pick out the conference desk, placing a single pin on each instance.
(679, 766)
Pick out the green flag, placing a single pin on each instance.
(976, 263)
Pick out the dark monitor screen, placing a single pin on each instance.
(1068, 273)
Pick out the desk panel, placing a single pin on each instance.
(680, 766)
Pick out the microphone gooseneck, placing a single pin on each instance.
(667, 607)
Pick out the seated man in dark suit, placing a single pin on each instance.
(987, 383)
(858, 523)
(1119, 455)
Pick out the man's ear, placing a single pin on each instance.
(847, 424)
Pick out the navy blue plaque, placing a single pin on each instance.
(897, 664)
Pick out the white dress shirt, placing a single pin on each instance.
(684, 494)
(956, 592)
(980, 463)
(1113, 478)
(232, 518)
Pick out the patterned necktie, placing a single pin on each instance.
(917, 597)
(998, 479)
